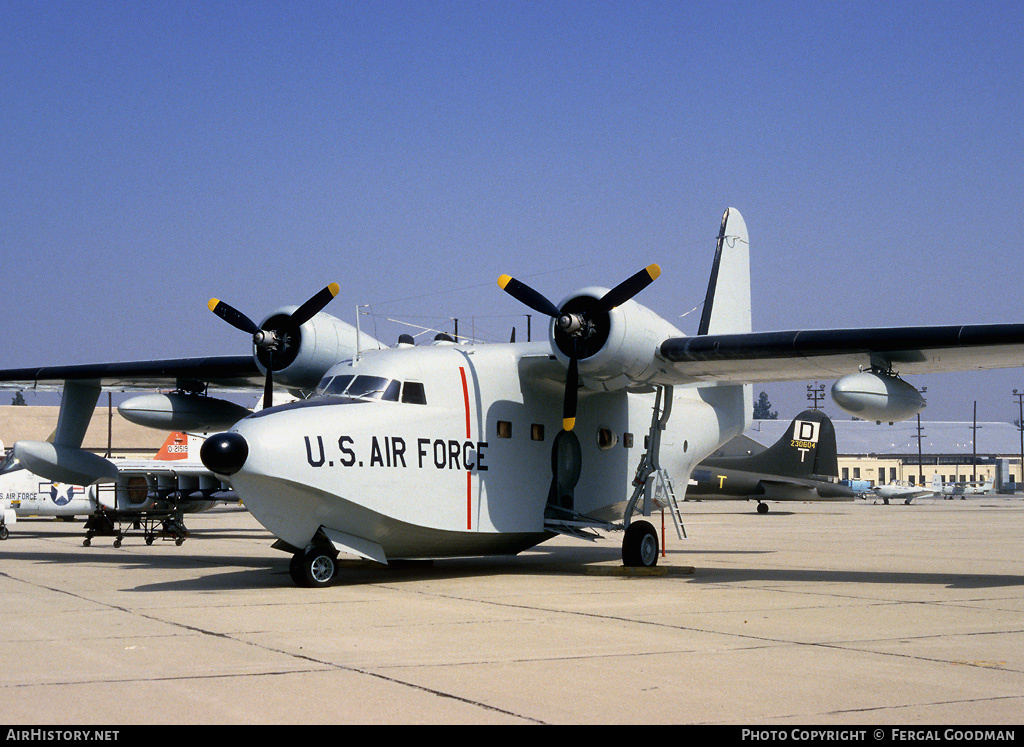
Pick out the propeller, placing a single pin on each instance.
(581, 326)
(277, 334)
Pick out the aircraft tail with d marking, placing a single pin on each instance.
(806, 449)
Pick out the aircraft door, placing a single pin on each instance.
(566, 461)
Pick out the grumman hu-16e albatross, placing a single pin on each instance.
(450, 449)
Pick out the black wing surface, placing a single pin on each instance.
(218, 373)
(808, 354)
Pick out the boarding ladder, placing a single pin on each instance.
(664, 493)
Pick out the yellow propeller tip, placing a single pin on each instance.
(503, 281)
(213, 303)
(334, 288)
(654, 271)
(568, 424)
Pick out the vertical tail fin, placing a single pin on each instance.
(175, 447)
(727, 309)
(807, 447)
(727, 303)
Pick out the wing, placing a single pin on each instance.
(800, 355)
(62, 459)
(220, 373)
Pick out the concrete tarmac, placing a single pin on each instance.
(815, 613)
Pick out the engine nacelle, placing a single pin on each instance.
(877, 396)
(620, 348)
(308, 350)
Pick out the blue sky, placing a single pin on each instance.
(156, 154)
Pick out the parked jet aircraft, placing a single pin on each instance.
(152, 493)
(801, 466)
(431, 451)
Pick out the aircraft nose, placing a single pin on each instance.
(224, 453)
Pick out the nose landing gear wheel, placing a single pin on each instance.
(640, 545)
(313, 569)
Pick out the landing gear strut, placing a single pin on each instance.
(640, 545)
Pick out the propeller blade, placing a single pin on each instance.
(528, 296)
(316, 304)
(572, 383)
(233, 316)
(269, 340)
(268, 383)
(630, 287)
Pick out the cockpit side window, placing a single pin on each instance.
(392, 392)
(413, 393)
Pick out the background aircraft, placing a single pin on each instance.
(896, 491)
(907, 493)
(801, 466)
(454, 449)
(962, 489)
(149, 493)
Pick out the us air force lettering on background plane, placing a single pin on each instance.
(451, 449)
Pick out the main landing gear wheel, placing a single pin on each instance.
(640, 545)
(762, 508)
(313, 569)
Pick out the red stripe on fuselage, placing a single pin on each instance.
(465, 397)
(469, 475)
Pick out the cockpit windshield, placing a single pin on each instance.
(369, 387)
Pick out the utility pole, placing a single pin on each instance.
(974, 444)
(815, 394)
(920, 458)
(1020, 427)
